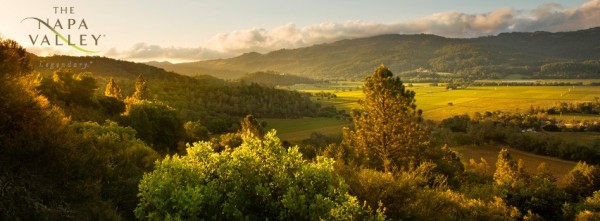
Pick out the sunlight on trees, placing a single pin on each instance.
(386, 132)
(258, 180)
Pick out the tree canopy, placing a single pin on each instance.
(258, 180)
(387, 131)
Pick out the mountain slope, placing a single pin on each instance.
(483, 57)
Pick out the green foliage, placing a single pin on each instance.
(14, 60)
(457, 123)
(156, 124)
(195, 131)
(507, 171)
(386, 130)
(70, 87)
(251, 127)
(111, 105)
(258, 180)
(53, 169)
(582, 180)
(141, 89)
(113, 90)
(589, 209)
(227, 141)
(450, 165)
(113, 154)
(537, 195)
(420, 194)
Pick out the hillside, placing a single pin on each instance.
(216, 103)
(538, 54)
(271, 78)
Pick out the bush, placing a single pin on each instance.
(258, 180)
(156, 124)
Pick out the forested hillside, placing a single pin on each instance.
(215, 103)
(272, 78)
(537, 55)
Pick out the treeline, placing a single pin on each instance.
(519, 130)
(527, 83)
(584, 69)
(220, 107)
(575, 108)
(272, 78)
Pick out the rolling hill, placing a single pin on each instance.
(573, 54)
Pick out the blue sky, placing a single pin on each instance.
(188, 30)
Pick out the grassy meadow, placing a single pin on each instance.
(438, 103)
(295, 130)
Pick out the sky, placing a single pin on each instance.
(190, 30)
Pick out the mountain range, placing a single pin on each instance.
(574, 54)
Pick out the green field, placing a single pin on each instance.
(438, 103)
(295, 130)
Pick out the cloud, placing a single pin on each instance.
(145, 52)
(549, 17)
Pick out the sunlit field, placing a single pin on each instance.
(438, 103)
(295, 130)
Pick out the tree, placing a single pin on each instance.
(537, 195)
(387, 131)
(118, 158)
(251, 127)
(582, 180)
(113, 90)
(507, 169)
(258, 180)
(589, 209)
(70, 87)
(14, 60)
(141, 89)
(156, 124)
(194, 131)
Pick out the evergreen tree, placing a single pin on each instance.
(251, 127)
(507, 169)
(387, 131)
(141, 89)
(113, 90)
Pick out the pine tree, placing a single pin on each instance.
(141, 89)
(113, 90)
(387, 131)
(508, 171)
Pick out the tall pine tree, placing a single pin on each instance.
(387, 131)
(113, 90)
(141, 89)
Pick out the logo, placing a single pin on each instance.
(68, 32)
